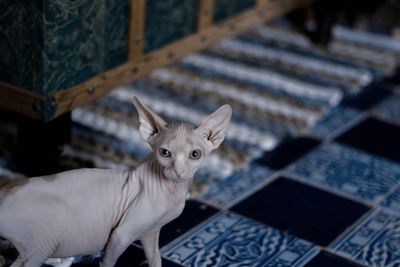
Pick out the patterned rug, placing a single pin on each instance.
(309, 174)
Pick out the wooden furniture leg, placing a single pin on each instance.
(40, 144)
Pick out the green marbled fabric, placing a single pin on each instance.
(21, 43)
(169, 20)
(51, 45)
(117, 22)
(225, 8)
(82, 39)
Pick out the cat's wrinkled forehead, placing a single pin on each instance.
(180, 130)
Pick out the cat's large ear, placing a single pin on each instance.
(213, 127)
(150, 123)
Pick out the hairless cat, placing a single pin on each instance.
(83, 211)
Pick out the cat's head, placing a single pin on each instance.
(180, 148)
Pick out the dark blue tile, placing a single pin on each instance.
(134, 256)
(389, 109)
(369, 97)
(325, 259)
(376, 137)
(336, 121)
(193, 214)
(301, 210)
(227, 192)
(287, 152)
(395, 78)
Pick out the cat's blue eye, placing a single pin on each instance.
(195, 154)
(164, 153)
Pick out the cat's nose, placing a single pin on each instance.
(179, 165)
(179, 173)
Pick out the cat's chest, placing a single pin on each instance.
(173, 206)
(165, 209)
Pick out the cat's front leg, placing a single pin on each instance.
(117, 244)
(151, 248)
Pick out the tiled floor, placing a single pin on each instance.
(309, 174)
(328, 204)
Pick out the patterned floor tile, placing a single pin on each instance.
(376, 137)
(375, 241)
(225, 193)
(290, 206)
(371, 96)
(325, 259)
(193, 214)
(392, 202)
(287, 152)
(232, 240)
(348, 172)
(335, 121)
(390, 109)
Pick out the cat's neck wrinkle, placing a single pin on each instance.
(150, 172)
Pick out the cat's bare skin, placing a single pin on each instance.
(88, 210)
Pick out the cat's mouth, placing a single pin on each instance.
(173, 175)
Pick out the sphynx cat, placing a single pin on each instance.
(83, 211)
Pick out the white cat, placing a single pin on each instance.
(88, 210)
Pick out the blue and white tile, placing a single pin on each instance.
(392, 202)
(348, 172)
(389, 109)
(225, 193)
(229, 239)
(336, 120)
(374, 241)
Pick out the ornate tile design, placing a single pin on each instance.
(225, 193)
(193, 214)
(392, 202)
(334, 121)
(389, 109)
(375, 241)
(290, 206)
(232, 240)
(349, 172)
